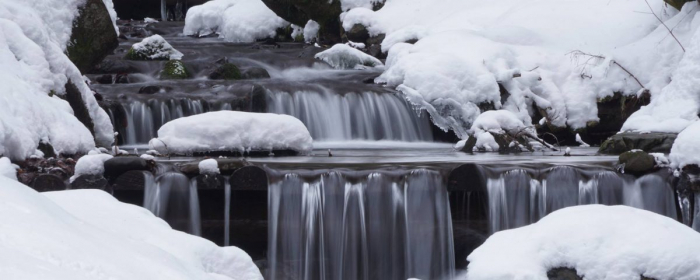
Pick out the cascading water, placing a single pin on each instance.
(227, 211)
(173, 197)
(359, 225)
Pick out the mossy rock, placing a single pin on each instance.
(299, 12)
(174, 70)
(93, 36)
(637, 162)
(226, 71)
(655, 142)
(135, 55)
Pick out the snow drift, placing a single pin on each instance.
(225, 131)
(600, 242)
(87, 234)
(233, 20)
(33, 71)
(686, 148)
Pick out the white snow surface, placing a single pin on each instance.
(343, 56)
(87, 235)
(208, 167)
(91, 164)
(498, 122)
(600, 242)
(112, 13)
(232, 131)
(8, 169)
(686, 147)
(311, 31)
(33, 39)
(548, 54)
(156, 47)
(233, 20)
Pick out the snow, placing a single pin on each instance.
(112, 14)
(155, 48)
(87, 234)
(580, 141)
(350, 4)
(92, 164)
(233, 20)
(209, 166)
(342, 56)
(232, 131)
(150, 20)
(600, 242)
(686, 148)
(7, 169)
(548, 54)
(498, 122)
(33, 38)
(311, 31)
(147, 157)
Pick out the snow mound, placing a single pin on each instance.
(87, 234)
(497, 122)
(600, 242)
(686, 148)
(342, 56)
(91, 164)
(311, 31)
(233, 20)
(8, 169)
(209, 166)
(33, 71)
(548, 54)
(154, 48)
(232, 131)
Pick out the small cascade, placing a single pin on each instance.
(227, 211)
(360, 226)
(173, 197)
(517, 198)
(353, 116)
(696, 220)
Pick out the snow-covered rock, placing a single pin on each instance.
(686, 148)
(600, 242)
(153, 48)
(87, 234)
(547, 54)
(208, 167)
(311, 31)
(342, 56)
(233, 20)
(227, 131)
(33, 71)
(8, 169)
(500, 122)
(92, 164)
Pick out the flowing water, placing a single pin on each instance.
(173, 197)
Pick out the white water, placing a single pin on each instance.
(227, 211)
(173, 197)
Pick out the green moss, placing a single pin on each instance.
(174, 70)
(227, 71)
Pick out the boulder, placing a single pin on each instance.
(563, 273)
(122, 79)
(105, 79)
(655, 142)
(93, 36)
(114, 66)
(47, 183)
(256, 73)
(130, 180)
(637, 162)
(299, 12)
(80, 110)
(174, 70)
(358, 34)
(258, 99)
(226, 71)
(91, 182)
(117, 166)
(210, 181)
(249, 178)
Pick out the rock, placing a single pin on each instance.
(80, 110)
(563, 273)
(91, 182)
(376, 51)
(114, 66)
(358, 34)
(153, 89)
(130, 180)
(93, 36)
(299, 12)
(613, 111)
(122, 79)
(47, 149)
(678, 4)
(47, 183)
(469, 145)
(637, 162)
(249, 178)
(208, 181)
(256, 73)
(226, 71)
(105, 79)
(117, 166)
(174, 70)
(655, 142)
(258, 99)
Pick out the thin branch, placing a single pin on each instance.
(579, 53)
(662, 23)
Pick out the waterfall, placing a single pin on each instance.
(227, 211)
(173, 197)
(351, 225)
(353, 116)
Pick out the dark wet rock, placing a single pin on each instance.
(258, 99)
(122, 79)
(105, 79)
(80, 110)
(563, 273)
(376, 51)
(637, 162)
(249, 178)
(91, 182)
(93, 36)
(130, 180)
(210, 181)
(466, 240)
(613, 111)
(174, 70)
(358, 34)
(226, 71)
(678, 4)
(47, 149)
(299, 12)
(655, 142)
(507, 144)
(114, 66)
(256, 73)
(469, 145)
(369, 80)
(689, 180)
(117, 166)
(47, 183)
(153, 89)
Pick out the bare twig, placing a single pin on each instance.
(662, 23)
(578, 53)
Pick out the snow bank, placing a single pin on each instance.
(233, 20)
(232, 131)
(208, 166)
(686, 148)
(600, 242)
(155, 48)
(8, 169)
(91, 164)
(342, 56)
(33, 70)
(87, 234)
(548, 54)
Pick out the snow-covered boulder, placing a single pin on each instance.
(8, 169)
(208, 167)
(232, 132)
(499, 130)
(93, 164)
(87, 234)
(599, 242)
(686, 148)
(153, 48)
(233, 20)
(342, 56)
(34, 72)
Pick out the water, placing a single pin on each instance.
(227, 211)
(173, 197)
(355, 225)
